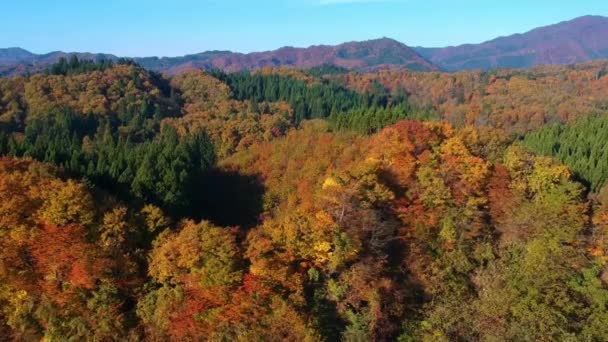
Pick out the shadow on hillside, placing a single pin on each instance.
(228, 198)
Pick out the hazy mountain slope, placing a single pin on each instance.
(575, 41)
(362, 56)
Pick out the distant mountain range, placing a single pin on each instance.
(362, 56)
(579, 40)
(575, 41)
(18, 61)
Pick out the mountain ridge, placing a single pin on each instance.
(367, 55)
(578, 40)
(573, 41)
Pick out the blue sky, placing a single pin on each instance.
(178, 27)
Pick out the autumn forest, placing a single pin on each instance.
(303, 205)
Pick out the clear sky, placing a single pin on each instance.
(176, 27)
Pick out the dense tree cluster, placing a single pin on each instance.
(71, 259)
(515, 100)
(121, 94)
(413, 233)
(326, 69)
(582, 145)
(310, 99)
(78, 66)
(163, 170)
(283, 206)
(232, 125)
(372, 120)
(109, 131)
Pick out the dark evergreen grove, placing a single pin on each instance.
(373, 119)
(582, 146)
(162, 170)
(322, 99)
(74, 65)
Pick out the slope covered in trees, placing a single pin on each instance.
(517, 101)
(582, 145)
(161, 170)
(70, 266)
(123, 94)
(575, 41)
(284, 206)
(413, 233)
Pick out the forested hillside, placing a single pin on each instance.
(286, 205)
(582, 145)
(517, 101)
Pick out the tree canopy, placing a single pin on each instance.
(288, 205)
